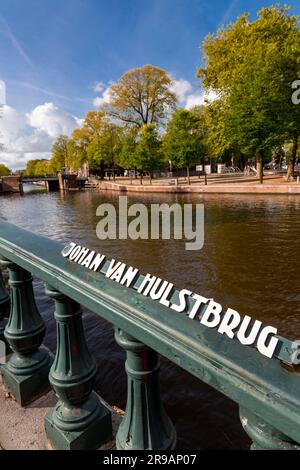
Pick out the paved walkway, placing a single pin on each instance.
(23, 428)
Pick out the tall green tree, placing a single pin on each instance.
(127, 158)
(248, 64)
(220, 142)
(105, 146)
(291, 66)
(148, 150)
(110, 144)
(59, 158)
(184, 140)
(85, 144)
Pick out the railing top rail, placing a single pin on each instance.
(240, 372)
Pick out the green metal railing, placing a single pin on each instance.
(267, 394)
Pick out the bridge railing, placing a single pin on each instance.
(267, 394)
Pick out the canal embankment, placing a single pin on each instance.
(271, 185)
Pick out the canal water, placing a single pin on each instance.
(250, 262)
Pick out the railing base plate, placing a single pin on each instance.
(27, 388)
(92, 437)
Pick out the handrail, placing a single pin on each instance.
(258, 384)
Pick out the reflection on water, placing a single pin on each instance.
(250, 262)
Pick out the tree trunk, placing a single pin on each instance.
(259, 167)
(102, 170)
(188, 175)
(113, 169)
(151, 176)
(291, 168)
(232, 159)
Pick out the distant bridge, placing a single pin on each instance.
(54, 183)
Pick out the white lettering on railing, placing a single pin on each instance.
(208, 312)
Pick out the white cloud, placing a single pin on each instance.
(36, 142)
(98, 87)
(30, 136)
(103, 99)
(52, 120)
(18, 160)
(11, 123)
(194, 99)
(181, 88)
(198, 99)
(188, 97)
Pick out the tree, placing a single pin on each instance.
(59, 159)
(248, 65)
(37, 168)
(184, 140)
(75, 156)
(127, 158)
(42, 167)
(219, 142)
(147, 151)
(110, 144)
(291, 68)
(142, 96)
(4, 171)
(85, 142)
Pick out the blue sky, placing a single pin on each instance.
(55, 51)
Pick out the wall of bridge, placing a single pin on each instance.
(11, 184)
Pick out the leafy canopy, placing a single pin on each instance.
(147, 151)
(142, 96)
(4, 171)
(251, 66)
(184, 140)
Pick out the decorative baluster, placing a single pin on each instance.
(25, 375)
(4, 307)
(79, 420)
(263, 435)
(146, 424)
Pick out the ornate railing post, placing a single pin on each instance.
(263, 435)
(146, 424)
(25, 375)
(4, 307)
(79, 420)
